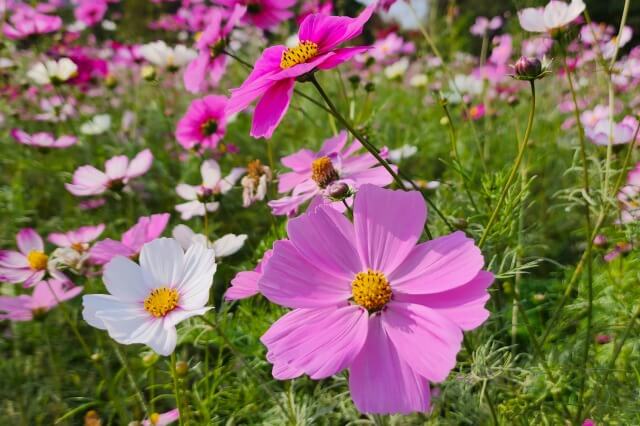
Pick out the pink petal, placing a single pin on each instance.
(425, 339)
(329, 31)
(271, 108)
(325, 238)
(318, 342)
(388, 224)
(381, 382)
(437, 265)
(140, 164)
(28, 240)
(106, 250)
(116, 167)
(290, 280)
(15, 276)
(342, 55)
(463, 305)
(194, 75)
(245, 284)
(13, 259)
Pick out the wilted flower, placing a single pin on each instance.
(254, 183)
(146, 301)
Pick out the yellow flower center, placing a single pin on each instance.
(322, 172)
(154, 418)
(161, 301)
(371, 290)
(37, 260)
(254, 171)
(300, 54)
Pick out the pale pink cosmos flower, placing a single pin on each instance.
(28, 22)
(245, 283)
(203, 196)
(211, 60)
(274, 76)
(147, 301)
(265, 14)
(46, 296)
(367, 297)
(629, 197)
(87, 180)
(555, 15)
(204, 123)
(623, 132)
(43, 139)
(147, 229)
(483, 25)
(163, 419)
(313, 173)
(29, 264)
(77, 239)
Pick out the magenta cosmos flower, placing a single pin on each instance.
(264, 14)
(275, 72)
(90, 12)
(88, 180)
(147, 229)
(204, 123)
(211, 60)
(46, 295)
(317, 173)
(43, 139)
(28, 22)
(78, 239)
(367, 297)
(29, 264)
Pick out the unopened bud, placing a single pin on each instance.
(182, 368)
(600, 240)
(528, 67)
(149, 359)
(338, 191)
(148, 73)
(96, 356)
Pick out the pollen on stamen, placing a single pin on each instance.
(371, 290)
(161, 301)
(37, 260)
(323, 172)
(300, 54)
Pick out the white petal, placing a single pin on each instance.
(210, 171)
(94, 303)
(183, 235)
(163, 259)
(126, 281)
(199, 268)
(229, 244)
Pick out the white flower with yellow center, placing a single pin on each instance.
(164, 56)
(146, 301)
(53, 72)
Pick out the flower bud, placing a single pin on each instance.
(338, 191)
(182, 368)
(528, 67)
(148, 73)
(149, 359)
(600, 240)
(96, 356)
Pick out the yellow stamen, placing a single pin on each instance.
(371, 290)
(254, 171)
(154, 418)
(300, 54)
(161, 301)
(322, 172)
(79, 247)
(37, 260)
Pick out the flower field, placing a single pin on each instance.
(281, 212)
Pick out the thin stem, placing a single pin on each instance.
(176, 388)
(132, 380)
(514, 169)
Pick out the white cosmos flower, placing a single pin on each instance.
(405, 151)
(161, 55)
(397, 69)
(146, 301)
(200, 196)
(556, 14)
(225, 246)
(98, 124)
(53, 72)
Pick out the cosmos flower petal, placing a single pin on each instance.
(532, 19)
(94, 303)
(13, 259)
(126, 281)
(319, 342)
(197, 276)
(140, 164)
(163, 259)
(381, 382)
(282, 284)
(384, 241)
(105, 250)
(28, 240)
(271, 108)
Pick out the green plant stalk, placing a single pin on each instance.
(514, 169)
(176, 389)
(132, 380)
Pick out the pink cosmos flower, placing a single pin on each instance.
(78, 239)
(204, 195)
(43, 139)
(87, 180)
(163, 419)
(28, 22)
(265, 14)
(366, 297)
(483, 25)
(274, 75)
(315, 6)
(46, 295)
(629, 197)
(315, 173)
(623, 132)
(555, 15)
(90, 12)
(211, 60)
(30, 264)
(204, 123)
(245, 284)
(147, 229)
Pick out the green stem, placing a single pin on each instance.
(514, 169)
(176, 388)
(132, 380)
